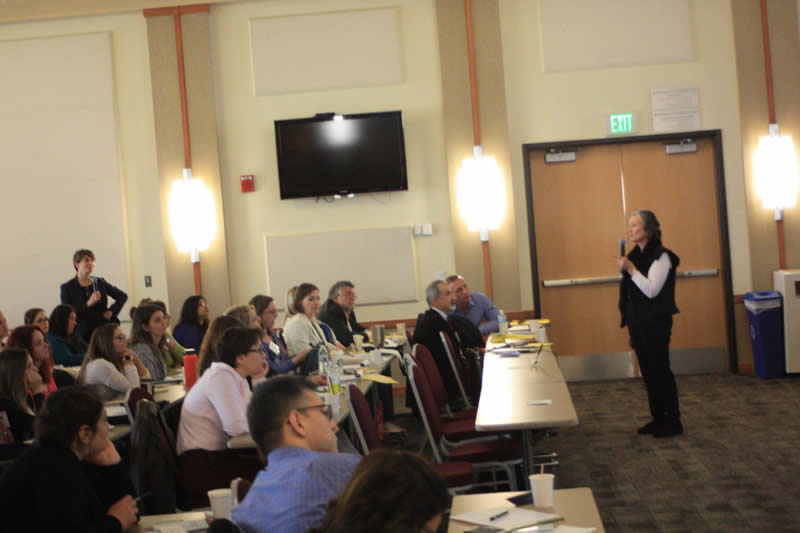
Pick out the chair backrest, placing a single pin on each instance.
(427, 407)
(63, 378)
(153, 460)
(455, 363)
(134, 396)
(172, 417)
(223, 525)
(424, 358)
(365, 425)
(239, 489)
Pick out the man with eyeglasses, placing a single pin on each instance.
(294, 429)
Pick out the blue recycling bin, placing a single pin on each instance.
(765, 316)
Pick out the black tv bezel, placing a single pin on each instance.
(327, 117)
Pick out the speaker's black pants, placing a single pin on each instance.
(650, 341)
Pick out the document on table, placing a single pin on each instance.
(115, 410)
(573, 529)
(515, 518)
(380, 378)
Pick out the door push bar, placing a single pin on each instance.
(573, 282)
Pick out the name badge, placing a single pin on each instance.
(274, 347)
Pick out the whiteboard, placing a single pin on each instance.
(381, 263)
(59, 169)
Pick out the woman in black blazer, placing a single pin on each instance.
(89, 296)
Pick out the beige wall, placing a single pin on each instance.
(136, 152)
(574, 105)
(785, 45)
(247, 146)
(203, 143)
(503, 243)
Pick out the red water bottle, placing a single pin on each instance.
(190, 368)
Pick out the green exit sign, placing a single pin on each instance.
(620, 123)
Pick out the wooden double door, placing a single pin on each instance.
(580, 212)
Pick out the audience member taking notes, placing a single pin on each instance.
(293, 427)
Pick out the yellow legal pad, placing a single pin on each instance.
(380, 378)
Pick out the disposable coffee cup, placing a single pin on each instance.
(221, 502)
(542, 489)
(401, 329)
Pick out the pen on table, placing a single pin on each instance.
(498, 515)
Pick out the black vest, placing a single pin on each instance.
(636, 308)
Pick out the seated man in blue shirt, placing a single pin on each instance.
(294, 429)
(476, 306)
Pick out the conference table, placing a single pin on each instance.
(577, 506)
(522, 391)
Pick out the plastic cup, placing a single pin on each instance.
(221, 502)
(542, 489)
(401, 329)
(358, 340)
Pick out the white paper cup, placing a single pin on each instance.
(542, 489)
(221, 502)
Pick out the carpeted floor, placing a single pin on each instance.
(736, 467)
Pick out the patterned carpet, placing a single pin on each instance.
(736, 467)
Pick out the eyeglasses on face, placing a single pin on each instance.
(325, 409)
(42, 319)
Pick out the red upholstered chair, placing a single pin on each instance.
(239, 489)
(458, 475)
(135, 396)
(423, 357)
(455, 363)
(493, 455)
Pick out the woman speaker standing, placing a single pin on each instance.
(647, 303)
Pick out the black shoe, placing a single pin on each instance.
(648, 428)
(669, 427)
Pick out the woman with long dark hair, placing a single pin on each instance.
(148, 339)
(32, 340)
(21, 395)
(193, 323)
(647, 303)
(390, 490)
(68, 347)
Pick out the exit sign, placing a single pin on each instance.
(620, 123)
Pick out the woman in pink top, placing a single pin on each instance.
(34, 341)
(214, 411)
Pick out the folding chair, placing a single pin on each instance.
(485, 455)
(458, 475)
(450, 350)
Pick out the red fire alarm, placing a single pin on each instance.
(248, 182)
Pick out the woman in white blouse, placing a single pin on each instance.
(214, 411)
(303, 330)
(109, 364)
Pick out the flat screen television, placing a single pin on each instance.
(332, 154)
